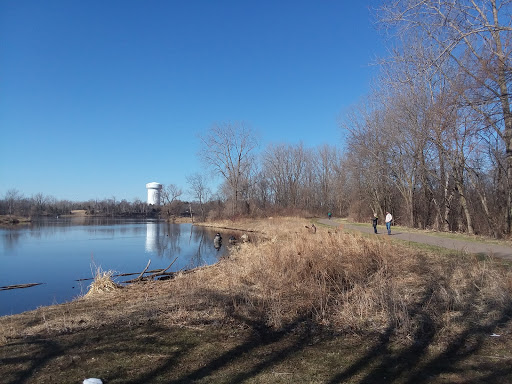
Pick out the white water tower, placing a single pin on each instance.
(154, 190)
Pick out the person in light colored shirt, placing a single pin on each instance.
(389, 219)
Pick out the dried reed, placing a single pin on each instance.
(360, 284)
(102, 283)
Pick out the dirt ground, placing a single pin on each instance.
(469, 246)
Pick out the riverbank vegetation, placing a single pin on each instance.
(6, 220)
(288, 306)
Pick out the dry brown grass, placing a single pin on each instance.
(357, 284)
(341, 281)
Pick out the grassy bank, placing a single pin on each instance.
(10, 220)
(290, 306)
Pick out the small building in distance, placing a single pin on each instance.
(154, 192)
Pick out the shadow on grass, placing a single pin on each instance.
(35, 354)
(416, 364)
(151, 353)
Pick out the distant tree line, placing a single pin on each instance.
(15, 203)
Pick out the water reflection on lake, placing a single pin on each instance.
(58, 252)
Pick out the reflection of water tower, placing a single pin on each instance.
(152, 237)
(154, 190)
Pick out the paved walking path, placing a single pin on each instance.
(502, 251)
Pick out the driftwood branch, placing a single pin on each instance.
(155, 273)
(122, 274)
(139, 278)
(18, 286)
(145, 269)
(162, 272)
(151, 273)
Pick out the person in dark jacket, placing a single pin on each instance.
(375, 220)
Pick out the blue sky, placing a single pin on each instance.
(98, 98)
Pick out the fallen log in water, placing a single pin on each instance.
(153, 272)
(141, 277)
(18, 286)
(122, 274)
(162, 272)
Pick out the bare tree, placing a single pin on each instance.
(476, 37)
(228, 149)
(171, 193)
(328, 158)
(39, 202)
(13, 197)
(284, 166)
(381, 154)
(261, 191)
(200, 190)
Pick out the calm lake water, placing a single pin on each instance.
(59, 252)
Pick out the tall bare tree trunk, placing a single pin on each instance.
(507, 114)
(464, 205)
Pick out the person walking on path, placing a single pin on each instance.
(375, 220)
(329, 215)
(389, 219)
